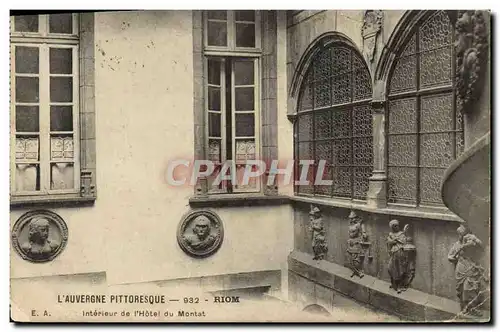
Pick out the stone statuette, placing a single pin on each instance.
(200, 233)
(39, 236)
(357, 244)
(316, 227)
(402, 254)
(469, 274)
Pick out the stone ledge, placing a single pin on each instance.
(232, 200)
(411, 305)
(435, 214)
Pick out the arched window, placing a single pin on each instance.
(334, 122)
(424, 129)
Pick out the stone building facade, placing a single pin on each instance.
(372, 92)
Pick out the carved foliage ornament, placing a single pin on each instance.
(200, 233)
(317, 228)
(372, 24)
(471, 48)
(39, 236)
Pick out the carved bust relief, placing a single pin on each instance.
(39, 236)
(200, 233)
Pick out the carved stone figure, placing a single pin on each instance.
(472, 52)
(372, 24)
(201, 239)
(317, 228)
(356, 245)
(39, 236)
(200, 233)
(401, 257)
(469, 274)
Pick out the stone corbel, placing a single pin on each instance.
(87, 187)
(471, 49)
(372, 25)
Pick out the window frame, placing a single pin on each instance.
(419, 93)
(331, 109)
(233, 52)
(81, 40)
(231, 47)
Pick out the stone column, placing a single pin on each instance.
(377, 191)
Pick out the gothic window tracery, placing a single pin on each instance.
(424, 129)
(334, 123)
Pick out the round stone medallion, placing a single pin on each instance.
(200, 233)
(39, 236)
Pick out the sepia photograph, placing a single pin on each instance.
(250, 166)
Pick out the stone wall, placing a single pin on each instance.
(433, 239)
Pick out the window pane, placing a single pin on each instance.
(436, 113)
(245, 15)
(217, 33)
(342, 181)
(245, 150)
(402, 183)
(27, 177)
(213, 72)
(61, 89)
(61, 147)
(243, 72)
(27, 148)
(27, 119)
(244, 99)
(430, 184)
(61, 23)
(27, 23)
(217, 14)
(62, 176)
(245, 125)
(61, 61)
(213, 98)
(214, 125)
(61, 118)
(361, 181)
(27, 60)
(436, 150)
(27, 89)
(214, 150)
(435, 67)
(245, 35)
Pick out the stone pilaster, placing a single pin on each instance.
(377, 190)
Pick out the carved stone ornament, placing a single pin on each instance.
(200, 233)
(317, 229)
(402, 254)
(372, 24)
(470, 276)
(357, 245)
(39, 236)
(471, 48)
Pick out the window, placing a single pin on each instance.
(424, 129)
(45, 119)
(334, 123)
(232, 96)
(232, 30)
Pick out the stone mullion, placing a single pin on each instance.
(377, 191)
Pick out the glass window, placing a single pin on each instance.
(424, 129)
(334, 124)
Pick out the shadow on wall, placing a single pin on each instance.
(316, 309)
